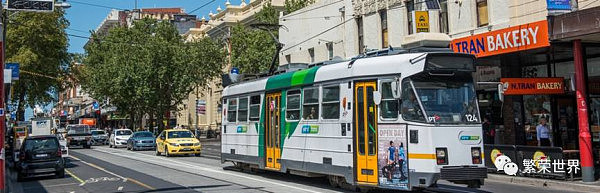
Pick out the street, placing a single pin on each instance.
(103, 169)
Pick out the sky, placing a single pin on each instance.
(86, 15)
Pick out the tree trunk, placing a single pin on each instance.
(21, 108)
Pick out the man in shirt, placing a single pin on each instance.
(544, 134)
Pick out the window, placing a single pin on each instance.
(288, 58)
(410, 106)
(311, 53)
(444, 16)
(293, 105)
(389, 105)
(255, 108)
(331, 102)
(410, 7)
(361, 38)
(482, 13)
(231, 110)
(330, 50)
(384, 28)
(310, 106)
(243, 109)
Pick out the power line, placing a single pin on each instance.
(204, 5)
(94, 5)
(78, 30)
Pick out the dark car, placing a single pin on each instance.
(141, 140)
(99, 137)
(40, 155)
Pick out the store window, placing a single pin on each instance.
(482, 13)
(444, 16)
(593, 90)
(410, 8)
(536, 108)
(384, 28)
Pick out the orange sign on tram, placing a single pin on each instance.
(531, 86)
(512, 39)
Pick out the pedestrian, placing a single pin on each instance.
(488, 131)
(544, 134)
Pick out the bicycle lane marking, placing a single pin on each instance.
(124, 179)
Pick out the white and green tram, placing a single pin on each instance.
(399, 121)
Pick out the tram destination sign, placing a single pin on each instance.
(31, 5)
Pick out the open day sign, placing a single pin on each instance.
(512, 39)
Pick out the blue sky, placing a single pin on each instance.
(85, 17)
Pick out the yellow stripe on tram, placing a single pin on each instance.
(421, 156)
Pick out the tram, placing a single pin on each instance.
(399, 119)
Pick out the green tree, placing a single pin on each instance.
(148, 69)
(295, 5)
(38, 42)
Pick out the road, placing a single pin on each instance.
(103, 169)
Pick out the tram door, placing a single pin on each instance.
(272, 131)
(365, 127)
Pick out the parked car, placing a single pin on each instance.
(40, 155)
(119, 137)
(177, 142)
(99, 137)
(141, 140)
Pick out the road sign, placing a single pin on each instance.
(31, 5)
(96, 106)
(7, 73)
(15, 70)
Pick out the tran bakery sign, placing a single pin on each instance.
(512, 39)
(532, 86)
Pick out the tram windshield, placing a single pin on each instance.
(440, 99)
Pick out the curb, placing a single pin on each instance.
(547, 183)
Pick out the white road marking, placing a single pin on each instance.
(175, 162)
(99, 168)
(120, 188)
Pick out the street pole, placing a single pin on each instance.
(585, 142)
(2, 118)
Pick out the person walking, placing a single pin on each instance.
(488, 131)
(544, 134)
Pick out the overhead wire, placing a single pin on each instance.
(95, 5)
(201, 6)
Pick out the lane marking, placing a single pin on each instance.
(116, 175)
(174, 162)
(120, 188)
(76, 178)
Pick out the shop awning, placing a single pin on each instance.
(580, 24)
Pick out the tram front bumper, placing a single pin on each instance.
(463, 174)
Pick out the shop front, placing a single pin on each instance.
(537, 77)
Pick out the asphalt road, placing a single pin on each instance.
(103, 169)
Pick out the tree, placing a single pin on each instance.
(295, 5)
(38, 42)
(148, 69)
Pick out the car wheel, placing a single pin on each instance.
(156, 151)
(197, 155)
(60, 174)
(167, 151)
(127, 147)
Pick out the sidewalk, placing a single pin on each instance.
(11, 185)
(547, 183)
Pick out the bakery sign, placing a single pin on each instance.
(522, 37)
(532, 86)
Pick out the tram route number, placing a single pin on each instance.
(471, 118)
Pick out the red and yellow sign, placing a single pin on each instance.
(512, 39)
(422, 21)
(530, 86)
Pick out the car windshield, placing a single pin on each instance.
(78, 129)
(97, 132)
(179, 134)
(144, 134)
(124, 132)
(443, 99)
(38, 144)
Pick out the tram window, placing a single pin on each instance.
(389, 105)
(243, 109)
(231, 110)
(331, 102)
(310, 105)
(293, 105)
(410, 106)
(255, 108)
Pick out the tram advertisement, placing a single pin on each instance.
(392, 157)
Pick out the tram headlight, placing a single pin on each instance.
(441, 156)
(476, 155)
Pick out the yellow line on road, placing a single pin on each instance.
(141, 184)
(74, 176)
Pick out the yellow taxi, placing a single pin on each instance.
(177, 142)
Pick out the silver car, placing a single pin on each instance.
(99, 137)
